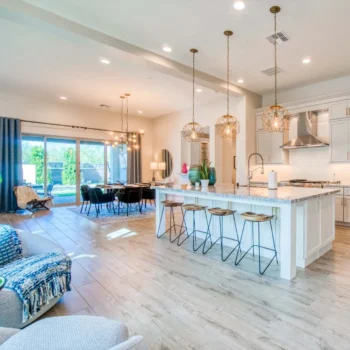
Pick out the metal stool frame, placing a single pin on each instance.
(173, 225)
(194, 232)
(222, 237)
(258, 245)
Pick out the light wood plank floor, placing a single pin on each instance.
(179, 299)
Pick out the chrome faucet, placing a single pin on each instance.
(250, 173)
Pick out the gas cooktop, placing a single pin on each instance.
(296, 181)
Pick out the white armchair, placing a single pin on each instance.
(11, 306)
(71, 332)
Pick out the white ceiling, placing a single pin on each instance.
(50, 66)
(53, 64)
(317, 28)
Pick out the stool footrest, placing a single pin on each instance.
(194, 239)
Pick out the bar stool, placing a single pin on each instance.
(193, 208)
(257, 218)
(171, 205)
(221, 213)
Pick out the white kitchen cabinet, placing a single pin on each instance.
(276, 150)
(346, 203)
(339, 208)
(340, 110)
(340, 141)
(259, 124)
(268, 145)
(263, 146)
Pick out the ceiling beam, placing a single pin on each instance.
(20, 11)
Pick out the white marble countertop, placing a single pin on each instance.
(282, 194)
(287, 183)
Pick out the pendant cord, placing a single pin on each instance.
(275, 59)
(228, 75)
(193, 83)
(127, 115)
(121, 113)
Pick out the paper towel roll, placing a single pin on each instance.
(272, 184)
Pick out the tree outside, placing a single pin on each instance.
(69, 167)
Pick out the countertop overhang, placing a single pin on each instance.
(281, 195)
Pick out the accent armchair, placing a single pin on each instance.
(27, 257)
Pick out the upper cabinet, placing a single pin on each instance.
(340, 141)
(340, 110)
(268, 145)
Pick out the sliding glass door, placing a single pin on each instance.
(61, 170)
(33, 162)
(92, 163)
(58, 167)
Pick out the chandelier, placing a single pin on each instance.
(126, 138)
(228, 125)
(192, 131)
(131, 138)
(275, 118)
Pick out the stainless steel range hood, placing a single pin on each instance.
(306, 135)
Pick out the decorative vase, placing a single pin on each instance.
(184, 168)
(212, 176)
(194, 175)
(205, 183)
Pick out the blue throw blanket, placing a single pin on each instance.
(38, 279)
(10, 245)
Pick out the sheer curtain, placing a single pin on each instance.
(134, 164)
(10, 161)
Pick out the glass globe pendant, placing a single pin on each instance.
(228, 125)
(192, 131)
(275, 118)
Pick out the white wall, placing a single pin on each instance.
(167, 133)
(30, 108)
(308, 91)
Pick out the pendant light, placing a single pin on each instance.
(122, 140)
(275, 118)
(192, 131)
(228, 125)
(127, 138)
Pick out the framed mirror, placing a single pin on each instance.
(165, 160)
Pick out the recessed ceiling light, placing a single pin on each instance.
(306, 60)
(239, 5)
(240, 81)
(167, 48)
(199, 90)
(63, 98)
(104, 61)
(140, 112)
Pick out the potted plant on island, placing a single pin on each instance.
(204, 174)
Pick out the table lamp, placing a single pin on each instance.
(154, 167)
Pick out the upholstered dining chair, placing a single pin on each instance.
(129, 196)
(84, 190)
(98, 198)
(148, 194)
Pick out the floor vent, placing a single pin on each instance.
(281, 38)
(271, 71)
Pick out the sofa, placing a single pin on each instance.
(71, 332)
(14, 313)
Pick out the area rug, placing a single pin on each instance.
(109, 218)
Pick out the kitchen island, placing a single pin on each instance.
(303, 218)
